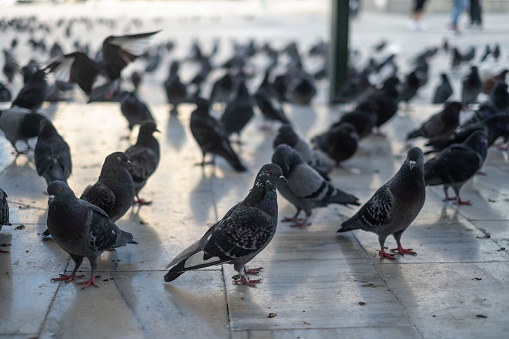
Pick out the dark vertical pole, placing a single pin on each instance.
(338, 55)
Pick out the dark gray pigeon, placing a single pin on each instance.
(134, 110)
(339, 143)
(456, 164)
(441, 125)
(81, 229)
(144, 156)
(238, 111)
(244, 231)
(176, 91)
(114, 190)
(471, 86)
(52, 154)
(5, 94)
(306, 188)
(223, 89)
(34, 93)
(20, 124)
(394, 206)
(4, 212)
(211, 136)
(268, 101)
(443, 91)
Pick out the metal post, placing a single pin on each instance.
(338, 55)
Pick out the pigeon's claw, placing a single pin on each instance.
(252, 270)
(303, 223)
(450, 198)
(2, 251)
(66, 277)
(403, 251)
(462, 202)
(142, 202)
(384, 254)
(89, 282)
(244, 280)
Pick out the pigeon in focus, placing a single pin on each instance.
(114, 190)
(244, 231)
(471, 87)
(441, 125)
(4, 212)
(176, 91)
(238, 111)
(443, 91)
(306, 188)
(52, 154)
(211, 136)
(134, 110)
(144, 156)
(81, 229)
(34, 93)
(394, 206)
(340, 142)
(456, 164)
(20, 124)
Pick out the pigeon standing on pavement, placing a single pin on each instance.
(20, 124)
(456, 164)
(4, 212)
(144, 156)
(134, 110)
(211, 136)
(339, 143)
(114, 190)
(176, 91)
(81, 229)
(5, 94)
(306, 188)
(52, 154)
(394, 206)
(244, 231)
(33, 94)
(441, 125)
(443, 91)
(471, 86)
(238, 111)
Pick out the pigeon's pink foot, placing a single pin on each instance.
(378, 133)
(463, 202)
(481, 173)
(253, 270)
(403, 251)
(301, 224)
(2, 251)
(384, 254)
(66, 277)
(246, 281)
(142, 202)
(450, 198)
(89, 282)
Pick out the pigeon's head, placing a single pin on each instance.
(270, 174)
(47, 128)
(414, 158)
(148, 127)
(347, 129)
(444, 77)
(117, 159)
(286, 157)
(286, 129)
(58, 189)
(454, 106)
(479, 142)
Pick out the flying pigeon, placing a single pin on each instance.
(394, 206)
(114, 190)
(245, 230)
(52, 154)
(81, 229)
(456, 164)
(20, 124)
(4, 212)
(440, 125)
(306, 188)
(144, 156)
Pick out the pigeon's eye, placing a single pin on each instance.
(270, 172)
(61, 189)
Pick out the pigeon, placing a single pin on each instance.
(500, 97)
(394, 206)
(117, 52)
(136, 80)
(114, 190)
(456, 164)
(52, 154)
(457, 59)
(144, 156)
(5, 94)
(441, 125)
(471, 86)
(175, 90)
(409, 87)
(363, 118)
(223, 88)
(443, 91)
(4, 212)
(34, 93)
(244, 231)
(20, 124)
(11, 66)
(211, 136)
(81, 229)
(354, 87)
(306, 189)
(238, 111)
(268, 102)
(301, 88)
(340, 142)
(134, 110)
(489, 83)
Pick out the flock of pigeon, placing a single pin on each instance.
(300, 171)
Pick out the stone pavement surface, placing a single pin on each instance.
(318, 284)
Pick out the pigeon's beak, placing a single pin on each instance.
(283, 179)
(129, 163)
(412, 163)
(157, 131)
(50, 199)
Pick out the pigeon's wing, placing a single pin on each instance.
(75, 67)
(63, 155)
(144, 162)
(306, 183)
(434, 126)
(93, 207)
(377, 211)
(103, 232)
(455, 164)
(100, 195)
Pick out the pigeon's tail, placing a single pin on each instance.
(351, 224)
(232, 159)
(344, 198)
(437, 145)
(415, 134)
(170, 276)
(123, 239)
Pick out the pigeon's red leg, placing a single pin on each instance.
(302, 223)
(481, 173)
(402, 250)
(66, 277)
(450, 198)
(376, 131)
(244, 280)
(142, 202)
(248, 270)
(89, 282)
(2, 251)
(384, 254)
(463, 202)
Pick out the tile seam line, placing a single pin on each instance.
(317, 328)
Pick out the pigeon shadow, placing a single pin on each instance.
(201, 208)
(175, 132)
(303, 118)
